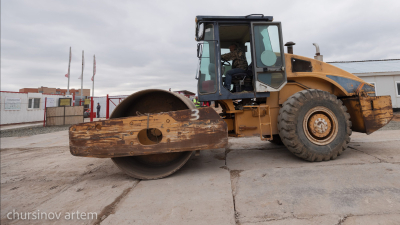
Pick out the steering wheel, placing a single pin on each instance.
(225, 63)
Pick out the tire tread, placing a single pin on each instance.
(287, 121)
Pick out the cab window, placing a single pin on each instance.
(207, 69)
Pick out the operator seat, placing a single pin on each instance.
(243, 81)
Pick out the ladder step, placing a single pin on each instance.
(265, 123)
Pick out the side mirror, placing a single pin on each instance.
(199, 50)
(200, 32)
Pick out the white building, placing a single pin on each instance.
(384, 74)
(16, 107)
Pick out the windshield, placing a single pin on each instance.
(207, 69)
(268, 55)
(267, 44)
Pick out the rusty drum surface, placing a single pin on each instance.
(151, 134)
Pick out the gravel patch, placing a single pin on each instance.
(29, 131)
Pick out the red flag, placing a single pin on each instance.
(92, 78)
(66, 75)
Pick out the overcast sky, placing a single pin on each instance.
(150, 44)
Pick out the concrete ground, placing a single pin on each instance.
(250, 182)
(22, 125)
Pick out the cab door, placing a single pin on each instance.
(268, 55)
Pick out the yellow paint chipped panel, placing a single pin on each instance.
(368, 114)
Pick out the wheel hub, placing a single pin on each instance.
(320, 125)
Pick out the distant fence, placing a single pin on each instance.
(68, 115)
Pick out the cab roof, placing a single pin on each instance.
(251, 17)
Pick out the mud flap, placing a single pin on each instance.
(177, 131)
(368, 114)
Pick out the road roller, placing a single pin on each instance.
(308, 105)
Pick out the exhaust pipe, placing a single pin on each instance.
(290, 47)
(318, 55)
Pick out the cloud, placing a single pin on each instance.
(150, 44)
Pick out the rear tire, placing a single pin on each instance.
(314, 125)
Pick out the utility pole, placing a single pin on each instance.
(83, 65)
(94, 73)
(69, 65)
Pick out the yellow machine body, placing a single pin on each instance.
(368, 113)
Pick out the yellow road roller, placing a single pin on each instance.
(307, 105)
